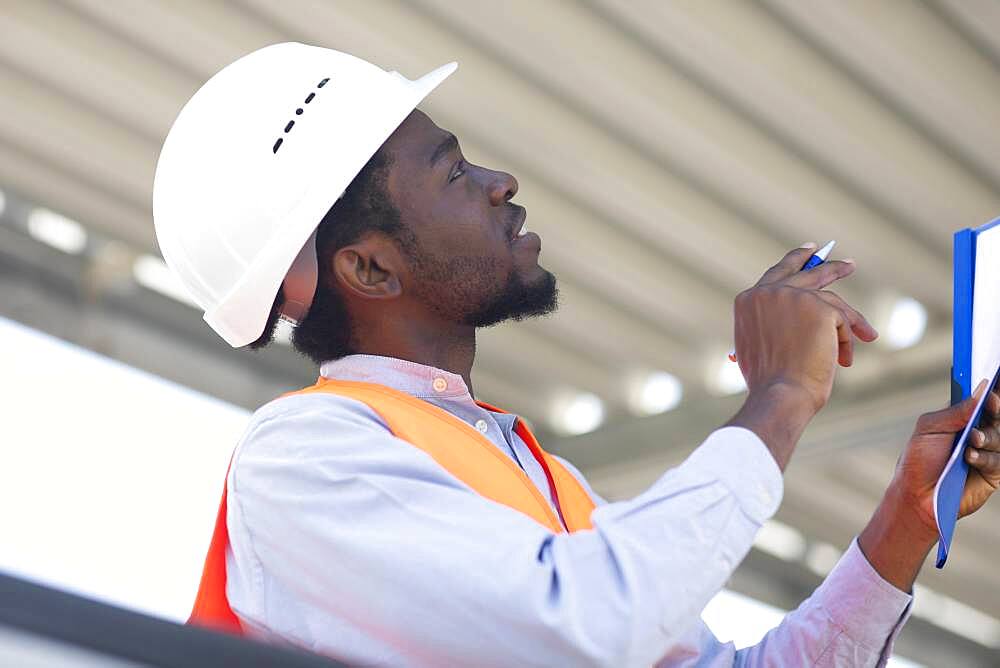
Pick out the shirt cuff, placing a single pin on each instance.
(741, 461)
(869, 609)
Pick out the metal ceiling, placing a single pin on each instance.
(667, 153)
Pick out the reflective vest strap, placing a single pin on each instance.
(456, 446)
(573, 501)
(211, 607)
(576, 504)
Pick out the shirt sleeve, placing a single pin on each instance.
(367, 532)
(851, 619)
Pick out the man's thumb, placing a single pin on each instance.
(953, 418)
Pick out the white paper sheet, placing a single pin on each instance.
(985, 311)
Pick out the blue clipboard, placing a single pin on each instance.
(949, 490)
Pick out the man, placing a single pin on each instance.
(384, 516)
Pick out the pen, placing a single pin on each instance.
(816, 259)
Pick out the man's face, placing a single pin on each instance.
(468, 266)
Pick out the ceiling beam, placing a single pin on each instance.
(907, 55)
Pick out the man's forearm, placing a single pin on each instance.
(778, 414)
(895, 542)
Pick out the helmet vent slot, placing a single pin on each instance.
(298, 112)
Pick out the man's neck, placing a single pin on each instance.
(453, 351)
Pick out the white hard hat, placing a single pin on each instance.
(254, 161)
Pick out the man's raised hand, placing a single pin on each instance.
(789, 329)
(790, 334)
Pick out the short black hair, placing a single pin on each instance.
(325, 333)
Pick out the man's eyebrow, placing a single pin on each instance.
(449, 144)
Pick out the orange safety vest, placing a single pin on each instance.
(458, 447)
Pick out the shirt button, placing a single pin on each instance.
(764, 497)
(439, 384)
(482, 426)
(726, 563)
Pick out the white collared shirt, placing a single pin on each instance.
(350, 542)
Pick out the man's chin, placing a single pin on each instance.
(525, 300)
(542, 295)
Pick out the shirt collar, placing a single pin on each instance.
(419, 380)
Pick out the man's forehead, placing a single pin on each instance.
(417, 137)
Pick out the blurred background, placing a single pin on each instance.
(667, 153)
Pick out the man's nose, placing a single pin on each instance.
(503, 187)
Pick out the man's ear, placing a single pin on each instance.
(369, 268)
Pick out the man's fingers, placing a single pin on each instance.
(990, 421)
(859, 324)
(819, 277)
(842, 320)
(845, 339)
(992, 408)
(985, 439)
(791, 264)
(986, 461)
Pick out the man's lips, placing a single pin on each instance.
(519, 225)
(523, 239)
(527, 241)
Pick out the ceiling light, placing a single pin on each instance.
(657, 392)
(578, 414)
(3, 202)
(725, 377)
(906, 323)
(57, 231)
(153, 273)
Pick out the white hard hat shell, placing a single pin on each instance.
(239, 190)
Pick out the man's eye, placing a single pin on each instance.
(458, 172)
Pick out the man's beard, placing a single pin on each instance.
(472, 301)
(517, 301)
